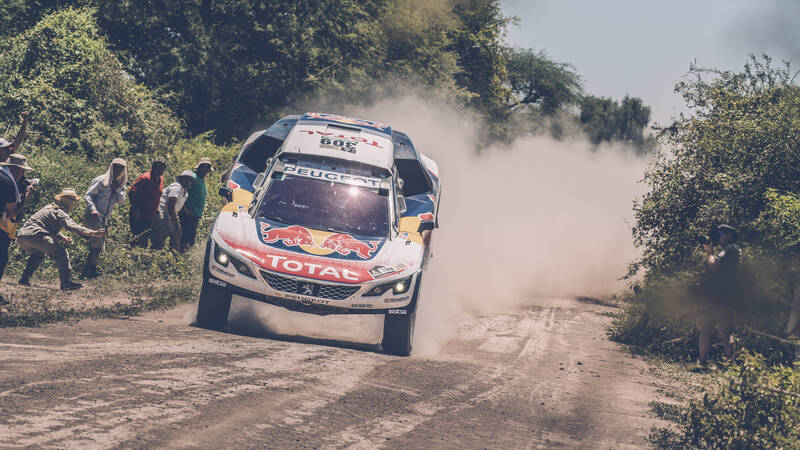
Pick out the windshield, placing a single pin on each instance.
(326, 205)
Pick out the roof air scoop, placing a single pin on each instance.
(339, 128)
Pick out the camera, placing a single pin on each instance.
(33, 182)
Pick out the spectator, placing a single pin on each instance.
(11, 203)
(103, 194)
(195, 204)
(41, 235)
(144, 195)
(6, 148)
(166, 224)
(718, 308)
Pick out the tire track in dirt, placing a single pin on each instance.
(538, 376)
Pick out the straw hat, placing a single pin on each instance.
(204, 160)
(17, 160)
(67, 194)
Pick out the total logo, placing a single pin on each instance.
(306, 266)
(297, 236)
(303, 268)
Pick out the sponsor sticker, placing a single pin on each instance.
(219, 283)
(398, 299)
(223, 272)
(287, 265)
(306, 300)
(344, 244)
(339, 143)
(401, 312)
(382, 271)
(295, 235)
(353, 180)
(306, 266)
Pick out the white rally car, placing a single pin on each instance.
(326, 215)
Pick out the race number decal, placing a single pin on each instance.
(338, 143)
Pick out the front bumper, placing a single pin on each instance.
(264, 289)
(309, 308)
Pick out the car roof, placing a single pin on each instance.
(342, 137)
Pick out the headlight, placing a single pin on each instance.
(397, 287)
(223, 258)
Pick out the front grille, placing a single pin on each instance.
(329, 291)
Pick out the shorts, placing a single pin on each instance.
(719, 315)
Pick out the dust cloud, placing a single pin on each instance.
(522, 225)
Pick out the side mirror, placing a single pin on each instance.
(401, 205)
(226, 193)
(259, 180)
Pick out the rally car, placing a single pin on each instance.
(326, 214)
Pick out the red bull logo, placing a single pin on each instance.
(344, 244)
(289, 236)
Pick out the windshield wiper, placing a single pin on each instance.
(334, 230)
(271, 217)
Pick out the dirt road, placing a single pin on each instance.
(542, 376)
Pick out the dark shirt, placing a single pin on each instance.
(724, 275)
(196, 202)
(146, 193)
(7, 194)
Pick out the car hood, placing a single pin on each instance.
(320, 255)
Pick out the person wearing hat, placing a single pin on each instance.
(144, 195)
(195, 204)
(41, 236)
(103, 194)
(719, 305)
(12, 202)
(166, 223)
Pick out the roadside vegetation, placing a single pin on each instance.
(735, 159)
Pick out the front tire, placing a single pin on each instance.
(398, 333)
(213, 306)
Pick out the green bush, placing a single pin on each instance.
(751, 405)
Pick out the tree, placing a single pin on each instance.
(537, 80)
(740, 142)
(605, 120)
(82, 100)
(478, 42)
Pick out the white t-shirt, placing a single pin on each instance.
(174, 190)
